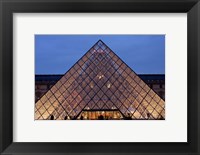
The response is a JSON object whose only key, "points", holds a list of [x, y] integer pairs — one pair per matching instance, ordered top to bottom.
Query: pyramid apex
{"points": [[100, 42], [100, 46]]}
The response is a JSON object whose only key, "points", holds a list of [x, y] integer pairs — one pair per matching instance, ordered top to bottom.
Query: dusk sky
{"points": [[55, 54]]}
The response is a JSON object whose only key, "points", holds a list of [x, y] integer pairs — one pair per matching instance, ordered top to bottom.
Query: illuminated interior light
{"points": [[100, 76], [109, 85], [91, 86]]}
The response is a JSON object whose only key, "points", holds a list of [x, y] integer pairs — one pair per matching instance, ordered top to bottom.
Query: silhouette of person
{"points": [[148, 115], [129, 116], [52, 117], [81, 117], [101, 117]]}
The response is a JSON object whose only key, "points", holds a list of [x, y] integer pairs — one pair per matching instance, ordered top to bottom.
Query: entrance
{"points": [[100, 115]]}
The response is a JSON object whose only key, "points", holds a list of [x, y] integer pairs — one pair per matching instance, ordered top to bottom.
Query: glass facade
{"points": [[100, 86]]}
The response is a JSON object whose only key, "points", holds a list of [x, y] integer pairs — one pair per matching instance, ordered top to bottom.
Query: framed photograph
{"points": [[106, 77]]}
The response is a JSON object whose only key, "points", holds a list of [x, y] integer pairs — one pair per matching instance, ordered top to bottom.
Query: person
{"points": [[148, 115], [129, 116], [52, 117], [81, 117], [101, 117]]}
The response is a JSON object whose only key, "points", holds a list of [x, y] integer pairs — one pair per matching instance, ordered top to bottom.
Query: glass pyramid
{"points": [[100, 82]]}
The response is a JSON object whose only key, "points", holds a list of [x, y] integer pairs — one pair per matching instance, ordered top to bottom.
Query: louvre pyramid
{"points": [[99, 81]]}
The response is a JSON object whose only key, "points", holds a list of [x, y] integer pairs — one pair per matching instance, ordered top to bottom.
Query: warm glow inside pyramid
{"points": [[100, 86]]}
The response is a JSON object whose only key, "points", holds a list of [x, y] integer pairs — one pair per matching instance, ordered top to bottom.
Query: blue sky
{"points": [[55, 54]]}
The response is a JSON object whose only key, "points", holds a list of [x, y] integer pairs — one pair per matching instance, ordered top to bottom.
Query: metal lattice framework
{"points": [[100, 80]]}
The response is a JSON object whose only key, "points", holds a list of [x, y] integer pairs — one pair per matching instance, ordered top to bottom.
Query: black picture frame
{"points": [[8, 7]]}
